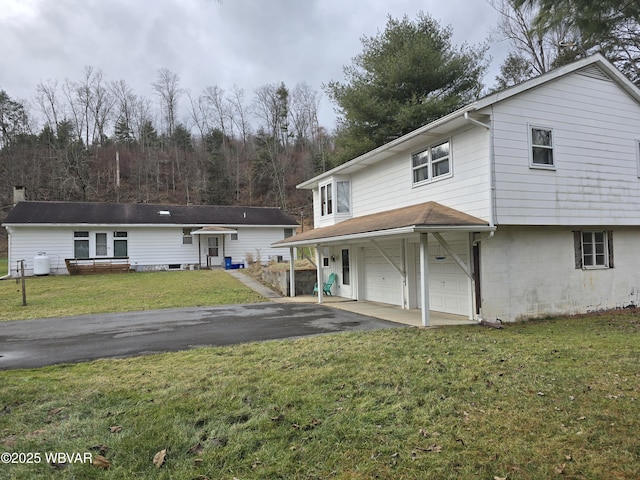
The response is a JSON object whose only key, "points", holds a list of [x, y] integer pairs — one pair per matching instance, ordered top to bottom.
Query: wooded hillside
{"points": [[94, 140]]}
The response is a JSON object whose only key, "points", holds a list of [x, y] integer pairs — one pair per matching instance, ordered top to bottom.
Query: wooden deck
{"points": [[92, 266]]}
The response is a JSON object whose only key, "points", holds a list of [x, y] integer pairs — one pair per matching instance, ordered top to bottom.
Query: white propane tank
{"points": [[41, 264]]}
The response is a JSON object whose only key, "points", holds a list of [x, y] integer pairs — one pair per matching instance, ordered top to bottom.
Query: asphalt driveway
{"points": [[42, 342]]}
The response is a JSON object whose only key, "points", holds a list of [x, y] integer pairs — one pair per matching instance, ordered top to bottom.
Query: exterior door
{"points": [[101, 244], [214, 251], [346, 279]]}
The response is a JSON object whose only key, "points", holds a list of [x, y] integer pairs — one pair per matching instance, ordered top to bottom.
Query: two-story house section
{"points": [[523, 204]]}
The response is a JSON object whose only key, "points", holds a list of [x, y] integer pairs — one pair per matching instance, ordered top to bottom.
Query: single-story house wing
{"points": [[148, 236]]}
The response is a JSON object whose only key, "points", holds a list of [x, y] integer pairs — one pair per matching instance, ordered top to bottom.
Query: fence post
{"points": [[24, 290]]}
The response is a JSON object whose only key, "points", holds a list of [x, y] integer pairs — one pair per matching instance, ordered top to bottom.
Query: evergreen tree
{"points": [[405, 77]]}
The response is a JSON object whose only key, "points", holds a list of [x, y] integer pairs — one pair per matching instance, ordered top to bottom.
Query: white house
{"points": [[512, 207], [146, 236]]}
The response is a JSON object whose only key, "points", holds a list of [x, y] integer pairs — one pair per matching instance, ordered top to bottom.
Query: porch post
{"points": [[292, 272], [319, 272], [424, 278]]}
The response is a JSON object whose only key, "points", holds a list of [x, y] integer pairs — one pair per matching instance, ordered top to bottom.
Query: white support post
{"points": [[292, 272], [319, 272], [424, 278]]}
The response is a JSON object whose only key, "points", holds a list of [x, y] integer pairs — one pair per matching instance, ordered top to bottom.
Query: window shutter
{"points": [[610, 245], [577, 248]]}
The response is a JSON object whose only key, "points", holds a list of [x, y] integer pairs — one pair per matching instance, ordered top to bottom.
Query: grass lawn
{"points": [[57, 296], [547, 399]]}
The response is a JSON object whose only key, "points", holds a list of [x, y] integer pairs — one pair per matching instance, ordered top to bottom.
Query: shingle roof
{"points": [[30, 212], [429, 214]]}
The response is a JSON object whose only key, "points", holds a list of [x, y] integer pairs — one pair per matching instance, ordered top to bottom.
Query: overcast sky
{"points": [[248, 43]]}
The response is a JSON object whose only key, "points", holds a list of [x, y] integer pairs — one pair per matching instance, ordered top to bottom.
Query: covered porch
{"points": [[211, 245], [397, 258]]}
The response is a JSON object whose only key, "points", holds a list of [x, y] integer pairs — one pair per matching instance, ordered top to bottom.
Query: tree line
{"points": [[98, 140]]}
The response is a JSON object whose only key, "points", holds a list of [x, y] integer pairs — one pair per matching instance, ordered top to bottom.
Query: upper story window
{"points": [[541, 147], [432, 163], [341, 191], [343, 196], [326, 199]]}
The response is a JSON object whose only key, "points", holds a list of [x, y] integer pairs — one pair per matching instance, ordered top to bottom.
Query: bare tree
{"points": [[539, 46], [167, 87], [49, 104]]}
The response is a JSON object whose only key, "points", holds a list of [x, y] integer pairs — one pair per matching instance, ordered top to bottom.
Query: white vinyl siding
{"points": [[595, 142], [388, 184], [148, 247]]}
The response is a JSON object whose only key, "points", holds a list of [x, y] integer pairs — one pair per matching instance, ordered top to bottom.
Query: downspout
{"points": [[492, 187], [8, 275]]}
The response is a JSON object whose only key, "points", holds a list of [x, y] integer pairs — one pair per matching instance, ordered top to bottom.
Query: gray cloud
{"points": [[247, 43]]}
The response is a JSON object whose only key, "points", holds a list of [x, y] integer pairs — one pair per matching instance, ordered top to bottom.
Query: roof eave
{"points": [[384, 233]]}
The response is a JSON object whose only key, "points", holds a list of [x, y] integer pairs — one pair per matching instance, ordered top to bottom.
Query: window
{"points": [[541, 147], [432, 163], [326, 195], [343, 196], [288, 232], [234, 236], [187, 238], [81, 244], [120, 247], [593, 249], [345, 267]]}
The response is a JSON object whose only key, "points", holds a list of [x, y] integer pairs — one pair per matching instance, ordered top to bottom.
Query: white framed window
{"points": [[541, 147], [432, 163], [340, 190], [343, 196], [326, 199], [234, 236], [187, 238], [81, 244], [120, 244], [593, 249]]}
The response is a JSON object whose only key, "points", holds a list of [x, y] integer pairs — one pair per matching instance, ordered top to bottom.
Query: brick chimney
{"points": [[19, 194]]}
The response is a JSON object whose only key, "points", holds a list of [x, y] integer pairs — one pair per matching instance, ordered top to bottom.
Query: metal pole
{"points": [[24, 290]]}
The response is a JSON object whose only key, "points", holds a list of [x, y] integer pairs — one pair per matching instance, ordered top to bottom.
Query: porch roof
{"points": [[421, 218], [212, 230]]}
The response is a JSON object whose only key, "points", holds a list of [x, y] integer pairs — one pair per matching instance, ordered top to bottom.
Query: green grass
{"points": [[75, 295], [546, 399]]}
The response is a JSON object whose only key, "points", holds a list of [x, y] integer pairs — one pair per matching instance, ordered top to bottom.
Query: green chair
{"points": [[326, 288]]}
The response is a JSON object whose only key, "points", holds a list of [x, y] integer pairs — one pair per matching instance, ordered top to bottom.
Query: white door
{"points": [[101, 245], [214, 250], [345, 276]]}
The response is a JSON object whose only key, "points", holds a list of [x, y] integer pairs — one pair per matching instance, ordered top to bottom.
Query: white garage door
{"points": [[382, 283], [449, 286]]}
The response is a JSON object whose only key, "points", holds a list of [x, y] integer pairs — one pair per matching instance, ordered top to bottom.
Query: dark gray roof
{"points": [[143, 213]]}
